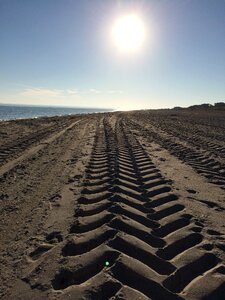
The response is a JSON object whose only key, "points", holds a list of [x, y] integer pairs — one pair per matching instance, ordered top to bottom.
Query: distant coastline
{"points": [[204, 106]]}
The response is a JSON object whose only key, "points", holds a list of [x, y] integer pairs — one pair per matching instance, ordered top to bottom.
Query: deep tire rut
{"points": [[201, 160], [131, 234]]}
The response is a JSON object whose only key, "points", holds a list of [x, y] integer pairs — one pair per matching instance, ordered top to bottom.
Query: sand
{"points": [[126, 205]]}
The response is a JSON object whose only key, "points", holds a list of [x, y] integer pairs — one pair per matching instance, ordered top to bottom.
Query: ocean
{"points": [[12, 112]]}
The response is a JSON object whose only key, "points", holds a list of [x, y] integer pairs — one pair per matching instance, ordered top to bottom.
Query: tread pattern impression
{"points": [[129, 216]]}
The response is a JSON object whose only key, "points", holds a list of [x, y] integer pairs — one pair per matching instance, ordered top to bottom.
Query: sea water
{"points": [[12, 112]]}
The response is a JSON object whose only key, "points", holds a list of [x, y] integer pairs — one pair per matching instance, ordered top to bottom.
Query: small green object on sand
{"points": [[107, 263]]}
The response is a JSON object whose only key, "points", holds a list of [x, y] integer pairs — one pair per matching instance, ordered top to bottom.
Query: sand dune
{"points": [[113, 206]]}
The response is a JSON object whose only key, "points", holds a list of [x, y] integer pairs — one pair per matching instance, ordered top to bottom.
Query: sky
{"points": [[61, 52]]}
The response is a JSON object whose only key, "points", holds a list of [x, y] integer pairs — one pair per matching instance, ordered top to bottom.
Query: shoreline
{"points": [[38, 111]]}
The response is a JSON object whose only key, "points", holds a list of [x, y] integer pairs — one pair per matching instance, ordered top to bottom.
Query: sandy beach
{"points": [[123, 205]]}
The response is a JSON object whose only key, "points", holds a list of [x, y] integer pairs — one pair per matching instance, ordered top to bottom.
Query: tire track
{"points": [[8, 151], [202, 161], [7, 167], [131, 237]]}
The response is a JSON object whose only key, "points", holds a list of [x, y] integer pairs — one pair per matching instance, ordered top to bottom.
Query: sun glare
{"points": [[128, 33]]}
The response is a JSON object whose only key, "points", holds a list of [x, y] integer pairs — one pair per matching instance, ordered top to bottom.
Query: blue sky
{"points": [[59, 52]]}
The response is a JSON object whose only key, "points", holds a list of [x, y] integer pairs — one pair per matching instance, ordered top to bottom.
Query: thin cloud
{"points": [[72, 91], [94, 91], [42, 92], [115, 92], [51, 93]]}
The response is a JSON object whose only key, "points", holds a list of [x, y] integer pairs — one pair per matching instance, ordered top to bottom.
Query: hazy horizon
{"points": [[61, 53]]}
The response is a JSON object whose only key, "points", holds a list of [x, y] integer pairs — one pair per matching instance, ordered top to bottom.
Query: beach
{"points": [[118, 205]]}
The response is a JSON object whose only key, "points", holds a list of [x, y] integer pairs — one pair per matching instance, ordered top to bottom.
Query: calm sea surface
{"points": [[11, 112]]}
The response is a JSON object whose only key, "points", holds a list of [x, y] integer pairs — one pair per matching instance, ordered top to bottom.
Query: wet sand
{"points": [[113, 206]]}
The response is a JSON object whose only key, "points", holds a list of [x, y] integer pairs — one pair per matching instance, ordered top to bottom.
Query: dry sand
{"points": [[113, 206]]}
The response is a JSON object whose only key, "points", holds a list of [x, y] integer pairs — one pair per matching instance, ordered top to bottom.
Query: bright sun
{"points": [[128, 33]]}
